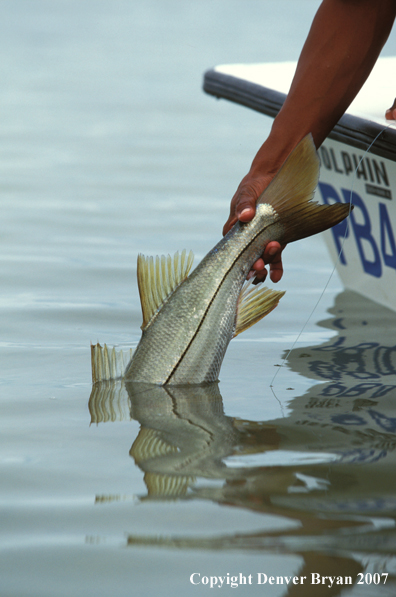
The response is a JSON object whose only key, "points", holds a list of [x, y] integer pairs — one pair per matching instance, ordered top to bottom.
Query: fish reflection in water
{"points": [[328, 467]]}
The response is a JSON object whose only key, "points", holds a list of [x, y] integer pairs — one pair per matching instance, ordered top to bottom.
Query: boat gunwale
{"points": [[352, 130]]}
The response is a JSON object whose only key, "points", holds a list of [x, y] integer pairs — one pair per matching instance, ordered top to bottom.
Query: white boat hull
{"points": [[358, 165], [364, 248]]}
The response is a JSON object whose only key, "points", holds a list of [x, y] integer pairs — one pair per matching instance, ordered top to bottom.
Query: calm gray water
{"points": [[108, 147]]}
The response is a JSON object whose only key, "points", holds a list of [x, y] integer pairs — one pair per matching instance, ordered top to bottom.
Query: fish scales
{"points": [[200, 318], [188, 322], [204, 356]]}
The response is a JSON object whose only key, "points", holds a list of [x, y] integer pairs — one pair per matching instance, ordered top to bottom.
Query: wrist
{"points": [[274, 152]]}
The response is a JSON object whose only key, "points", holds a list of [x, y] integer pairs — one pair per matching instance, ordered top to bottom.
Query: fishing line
{"points": [[338, 256]]}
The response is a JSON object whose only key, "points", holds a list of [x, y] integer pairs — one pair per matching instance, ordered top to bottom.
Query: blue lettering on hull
{"points": [[374, 254]]}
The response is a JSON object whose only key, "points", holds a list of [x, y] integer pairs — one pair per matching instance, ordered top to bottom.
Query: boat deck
{"points": [[263, 87]]}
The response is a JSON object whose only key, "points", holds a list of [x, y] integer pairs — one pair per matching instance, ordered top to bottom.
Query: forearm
{"points": [[344, 42], [342, 47]]}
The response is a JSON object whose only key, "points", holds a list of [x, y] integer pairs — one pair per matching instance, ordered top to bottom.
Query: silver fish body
{"points": [[188, 321], [187, 339]]}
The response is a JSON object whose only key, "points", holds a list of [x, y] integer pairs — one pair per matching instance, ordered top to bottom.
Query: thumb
{"points": [[245, 205], [243, 208]]}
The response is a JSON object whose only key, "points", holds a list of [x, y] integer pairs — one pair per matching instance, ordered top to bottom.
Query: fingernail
{"points": [[272, 251]]}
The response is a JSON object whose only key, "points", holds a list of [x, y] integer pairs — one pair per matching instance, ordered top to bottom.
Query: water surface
{"points": [[108, 147]]}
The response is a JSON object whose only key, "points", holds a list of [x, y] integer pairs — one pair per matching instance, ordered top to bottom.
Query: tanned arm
{"points": [[343, 44]]}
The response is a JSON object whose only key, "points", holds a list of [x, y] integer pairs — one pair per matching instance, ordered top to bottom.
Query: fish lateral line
{"points": [[203, 309], [258, 314]]}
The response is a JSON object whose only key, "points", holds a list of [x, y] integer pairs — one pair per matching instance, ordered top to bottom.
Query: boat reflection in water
{"points": [[328, 467]]}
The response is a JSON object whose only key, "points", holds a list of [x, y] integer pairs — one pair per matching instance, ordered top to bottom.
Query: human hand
{"points": [[390, 114], [243, 208]]}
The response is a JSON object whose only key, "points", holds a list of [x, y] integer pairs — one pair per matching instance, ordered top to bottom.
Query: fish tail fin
{"points": [[291, 192], [254, 303], [106, 364]]}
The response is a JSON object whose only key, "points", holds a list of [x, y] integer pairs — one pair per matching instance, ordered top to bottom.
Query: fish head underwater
{"points": [[190, 318]]}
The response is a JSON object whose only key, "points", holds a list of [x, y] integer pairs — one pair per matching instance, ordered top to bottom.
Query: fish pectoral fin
{"points": [[157, 279], [254, 303], [106, 364]]}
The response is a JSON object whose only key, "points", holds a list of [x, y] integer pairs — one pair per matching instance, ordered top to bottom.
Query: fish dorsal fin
{"points": [[291, 192], [157, 279], [254, 303], [108, 364], [150, 444], [169, 486]]}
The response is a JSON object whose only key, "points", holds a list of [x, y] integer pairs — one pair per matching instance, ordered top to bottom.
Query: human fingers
{"points": [[390, 114], [243, 203], [243, 208], [273, 257]]}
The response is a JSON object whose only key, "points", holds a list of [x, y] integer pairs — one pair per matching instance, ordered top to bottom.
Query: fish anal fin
{"points": [[291, 194], [157, 279], [254, 303]]}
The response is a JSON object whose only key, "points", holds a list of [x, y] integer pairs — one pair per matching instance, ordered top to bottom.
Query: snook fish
{"points": [[189, 320]]}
